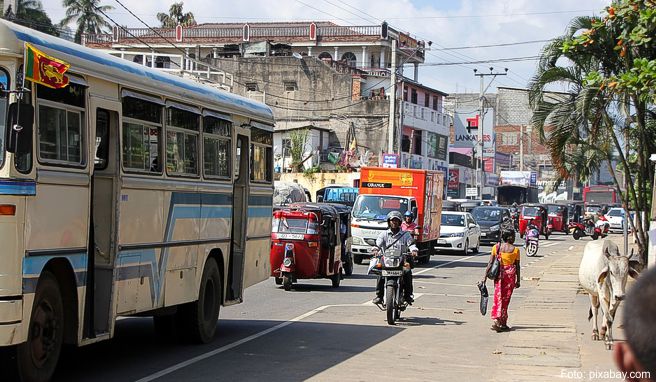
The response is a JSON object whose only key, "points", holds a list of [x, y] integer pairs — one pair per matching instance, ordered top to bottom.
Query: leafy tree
{"points": [[30, 13], [87, 15], [176, 16], [608, 64], [298, 141]]}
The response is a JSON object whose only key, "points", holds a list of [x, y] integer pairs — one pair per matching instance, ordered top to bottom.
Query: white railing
{"points": [[179, 65], [425, 114]]}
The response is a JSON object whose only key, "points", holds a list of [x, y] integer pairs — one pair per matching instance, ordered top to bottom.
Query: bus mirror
{"points": [[20, 120], [319, 198]]}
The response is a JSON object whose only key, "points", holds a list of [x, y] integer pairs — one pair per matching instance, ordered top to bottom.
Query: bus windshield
{"points": [[344, 195], [377, 207]]}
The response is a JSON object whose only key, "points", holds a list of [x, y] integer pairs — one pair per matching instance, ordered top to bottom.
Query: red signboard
{"points": [[488, 164], [454, 179]]}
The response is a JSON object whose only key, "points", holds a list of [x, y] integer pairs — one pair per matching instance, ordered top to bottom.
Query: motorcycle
{"points": [[589, 228], [532, 240], [390, 265]]}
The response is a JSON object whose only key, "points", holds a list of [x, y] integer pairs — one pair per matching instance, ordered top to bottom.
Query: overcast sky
{"points": [[448, 23]]}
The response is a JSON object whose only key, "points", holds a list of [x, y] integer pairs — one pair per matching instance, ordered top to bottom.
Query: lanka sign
{"points": [[43, 69]]}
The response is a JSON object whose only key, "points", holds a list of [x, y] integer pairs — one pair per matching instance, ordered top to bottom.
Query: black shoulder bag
{"points": [[493, 273]]}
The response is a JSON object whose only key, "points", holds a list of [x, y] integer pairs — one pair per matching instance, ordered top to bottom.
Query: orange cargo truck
{"points": [[383, 190]]}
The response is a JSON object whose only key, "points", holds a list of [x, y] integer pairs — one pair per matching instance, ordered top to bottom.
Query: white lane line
{"points": [[550, 245], [445, 264], [438, 283], [242, 341]]}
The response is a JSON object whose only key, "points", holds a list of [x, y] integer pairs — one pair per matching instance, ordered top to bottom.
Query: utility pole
{"points": [[392, 107], [521, 147], [479, 164]]}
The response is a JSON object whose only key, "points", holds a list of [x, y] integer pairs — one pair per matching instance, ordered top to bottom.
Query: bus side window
{"points": [[4, 85], [142, 131], [261, 155]]}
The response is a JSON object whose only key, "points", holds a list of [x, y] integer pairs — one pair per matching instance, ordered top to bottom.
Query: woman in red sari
{"points": [[508, 280]]}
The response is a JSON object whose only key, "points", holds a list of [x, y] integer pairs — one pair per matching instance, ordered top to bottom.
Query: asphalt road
{"points": [[317, 332]]}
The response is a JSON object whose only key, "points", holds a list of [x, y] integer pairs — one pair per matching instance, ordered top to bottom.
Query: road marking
{"points": [[550, 245], [445, 264], [437, 283], [242, 341]]}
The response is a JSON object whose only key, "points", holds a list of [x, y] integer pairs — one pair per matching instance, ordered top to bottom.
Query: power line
{"points": [[494, 45]]}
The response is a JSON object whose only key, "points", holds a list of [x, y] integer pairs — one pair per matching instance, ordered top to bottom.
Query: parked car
{"points": [[489, 219], [459, 232]]}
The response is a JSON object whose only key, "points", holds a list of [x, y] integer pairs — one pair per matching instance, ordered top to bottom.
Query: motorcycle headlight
{"points": [[495, 227], [458, 234], [287, 262], [391, 262]]}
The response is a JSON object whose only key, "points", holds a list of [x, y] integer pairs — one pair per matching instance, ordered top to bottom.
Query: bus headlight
{"points": [[357, 240]]}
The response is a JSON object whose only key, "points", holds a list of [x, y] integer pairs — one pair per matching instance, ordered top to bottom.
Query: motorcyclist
{"points": [[408, 222], [394, 237]]}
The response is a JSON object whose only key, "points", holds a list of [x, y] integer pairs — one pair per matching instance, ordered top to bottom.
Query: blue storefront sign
{"points": [[390, 160]]}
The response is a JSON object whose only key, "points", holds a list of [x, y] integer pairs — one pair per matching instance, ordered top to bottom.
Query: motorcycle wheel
{"points": [[576, 234], [595, 236], [531, 250], [357, 259], [278, 280], [287, 282], [389, 304]]}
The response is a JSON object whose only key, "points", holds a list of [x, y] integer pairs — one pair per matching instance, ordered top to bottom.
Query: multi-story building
{"points": [[329, 79]]}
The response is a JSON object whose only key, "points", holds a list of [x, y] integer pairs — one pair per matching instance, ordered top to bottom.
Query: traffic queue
{"points": [[324, 239]]}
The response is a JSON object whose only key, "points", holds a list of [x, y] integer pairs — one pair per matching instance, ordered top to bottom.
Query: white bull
{"points": [[603, 273]]}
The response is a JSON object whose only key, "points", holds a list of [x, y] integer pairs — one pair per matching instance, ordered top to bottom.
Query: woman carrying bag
{"points": [[506, 278]]}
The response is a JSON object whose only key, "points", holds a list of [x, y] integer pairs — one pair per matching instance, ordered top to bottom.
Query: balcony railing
{"points": [[240, 33], [425, 114]]}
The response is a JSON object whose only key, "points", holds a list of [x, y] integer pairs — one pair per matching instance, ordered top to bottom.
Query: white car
{"points": [[616, 218], [459, 232]]}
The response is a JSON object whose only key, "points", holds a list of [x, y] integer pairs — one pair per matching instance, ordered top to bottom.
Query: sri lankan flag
{"points": [[43, 69]]}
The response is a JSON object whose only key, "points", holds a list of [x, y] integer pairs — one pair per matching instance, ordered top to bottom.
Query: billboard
{"points": [[390, 160], [454, 178], [518, 178]]}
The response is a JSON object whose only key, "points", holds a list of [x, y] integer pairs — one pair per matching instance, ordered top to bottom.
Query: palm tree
{"points": [[30, 13], [88, 15], [176, 17], [582, 127]]}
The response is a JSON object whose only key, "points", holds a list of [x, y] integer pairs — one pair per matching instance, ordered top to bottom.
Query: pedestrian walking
{"points": [[507, 280]]}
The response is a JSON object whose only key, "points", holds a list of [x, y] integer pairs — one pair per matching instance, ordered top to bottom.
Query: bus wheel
{"points": [[200, 316], [37, 357]]}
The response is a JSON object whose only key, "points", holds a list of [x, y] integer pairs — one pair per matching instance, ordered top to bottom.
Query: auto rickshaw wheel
{"points": [[348, 265], [336, 278], [278, 280], [287, 282]]}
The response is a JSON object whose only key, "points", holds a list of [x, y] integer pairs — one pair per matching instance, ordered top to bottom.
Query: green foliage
{"points": [[30, 13], [87, 15], [176, 16], [298, 139]]}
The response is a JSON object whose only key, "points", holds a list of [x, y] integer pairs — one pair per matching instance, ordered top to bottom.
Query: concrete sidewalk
{"points": [[551, 336]]}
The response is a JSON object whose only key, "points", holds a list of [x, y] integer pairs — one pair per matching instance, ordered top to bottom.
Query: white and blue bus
{"points": [[129, 191]]}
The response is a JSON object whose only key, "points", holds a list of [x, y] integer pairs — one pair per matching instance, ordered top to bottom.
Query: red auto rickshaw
{"points": [[536, 213], [558, 217], [305, 244]]}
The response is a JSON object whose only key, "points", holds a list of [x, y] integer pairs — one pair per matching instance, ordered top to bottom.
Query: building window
{"points": [[325, 56], [350, 59], [251, 86], [290, 86], [405, 93], [413, 96], [426, 100], [434, 103], [509, 139], [417, 143], [405, 144]]}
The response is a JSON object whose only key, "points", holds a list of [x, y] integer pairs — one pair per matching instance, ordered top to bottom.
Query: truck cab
{"points": [[369, 219]]}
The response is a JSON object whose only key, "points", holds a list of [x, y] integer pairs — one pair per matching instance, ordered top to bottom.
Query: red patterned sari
{"points": [[503, 290]]}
